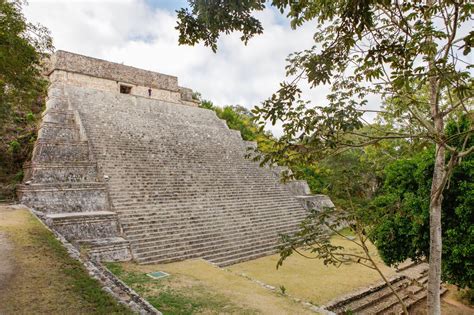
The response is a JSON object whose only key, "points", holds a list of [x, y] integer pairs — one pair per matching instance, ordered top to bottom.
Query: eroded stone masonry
{"points": [[127, 166]]}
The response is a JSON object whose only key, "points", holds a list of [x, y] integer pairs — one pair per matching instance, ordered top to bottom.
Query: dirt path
{"points": [[7, 263]]}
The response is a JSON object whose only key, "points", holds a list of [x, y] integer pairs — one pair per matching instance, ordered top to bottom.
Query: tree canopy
{"points": [[23, 48], [403, 205]]}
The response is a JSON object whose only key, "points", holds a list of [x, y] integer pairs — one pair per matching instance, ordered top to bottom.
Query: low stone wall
{"points": [[110, 283]]}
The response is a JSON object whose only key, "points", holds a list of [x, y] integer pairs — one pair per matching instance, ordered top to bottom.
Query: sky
{"points": [[142, 33]]}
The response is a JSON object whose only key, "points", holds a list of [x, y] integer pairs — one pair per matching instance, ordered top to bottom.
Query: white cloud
{"points": [[136, 34]]}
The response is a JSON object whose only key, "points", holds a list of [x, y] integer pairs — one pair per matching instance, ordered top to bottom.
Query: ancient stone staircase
{"points": [[114, 172], [180, 184], [63, 185], [410, 284]]}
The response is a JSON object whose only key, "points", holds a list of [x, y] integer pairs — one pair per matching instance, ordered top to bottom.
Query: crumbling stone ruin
{"points": [[127, 166]]}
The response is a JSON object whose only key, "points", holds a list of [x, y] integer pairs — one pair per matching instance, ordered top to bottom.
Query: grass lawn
{"points": [[45, 279], [310, 279], [197, 287]]}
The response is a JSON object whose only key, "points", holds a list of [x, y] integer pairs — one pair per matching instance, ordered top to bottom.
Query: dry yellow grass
{"points": [[305, 279], [310, 279], [251, 297]]}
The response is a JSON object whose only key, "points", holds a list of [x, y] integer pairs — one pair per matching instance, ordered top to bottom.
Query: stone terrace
{"points": [[179, 182]]}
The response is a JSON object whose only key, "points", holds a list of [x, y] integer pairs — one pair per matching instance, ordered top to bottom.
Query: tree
{"points": [[23, 48], [391, 49], [240, 118], [403, 203]]}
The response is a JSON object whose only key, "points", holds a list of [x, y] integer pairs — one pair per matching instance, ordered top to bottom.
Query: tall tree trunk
{"points": [[437, 186], [436, 199], [434, 273]]}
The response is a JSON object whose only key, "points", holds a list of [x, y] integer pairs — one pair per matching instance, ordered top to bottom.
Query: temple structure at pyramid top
{"points": [[79, 70]]}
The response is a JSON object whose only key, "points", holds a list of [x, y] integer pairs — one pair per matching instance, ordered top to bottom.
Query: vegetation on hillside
{"points": [[24, 46]]}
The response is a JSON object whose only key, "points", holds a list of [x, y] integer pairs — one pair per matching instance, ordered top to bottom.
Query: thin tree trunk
{"points": [[437, 186], [436, 199], [434, 273]]}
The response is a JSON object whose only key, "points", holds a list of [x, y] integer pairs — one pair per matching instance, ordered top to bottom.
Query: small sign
{"points": [[157, 274]]}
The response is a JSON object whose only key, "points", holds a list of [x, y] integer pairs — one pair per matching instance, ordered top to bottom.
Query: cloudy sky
{"points": [[141, 33]]}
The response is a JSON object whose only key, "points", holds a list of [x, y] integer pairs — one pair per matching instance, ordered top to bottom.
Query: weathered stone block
{"points": [[59, 117], [58, 132], [60, 151], [72, 172], [298, 187], [64, 197], [315, 201], [85, 225], [109, 249]]}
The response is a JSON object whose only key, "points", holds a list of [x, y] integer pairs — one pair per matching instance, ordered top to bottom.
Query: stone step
{"points": [[58, 116], [58, 132], [60, 151], [81, 171], [190, 188], [196, 189], [60, 198], [178, 201], [197, 208], [142, 211], [199, 213], [85, 225], [158, 228], [138, 230], [204, 235], [151, 241], [107, 249], [212, 250], [219, 253], [244, 257], [230, 258], [380, 299], [412, 300], [387, 303], [358, 306]]}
